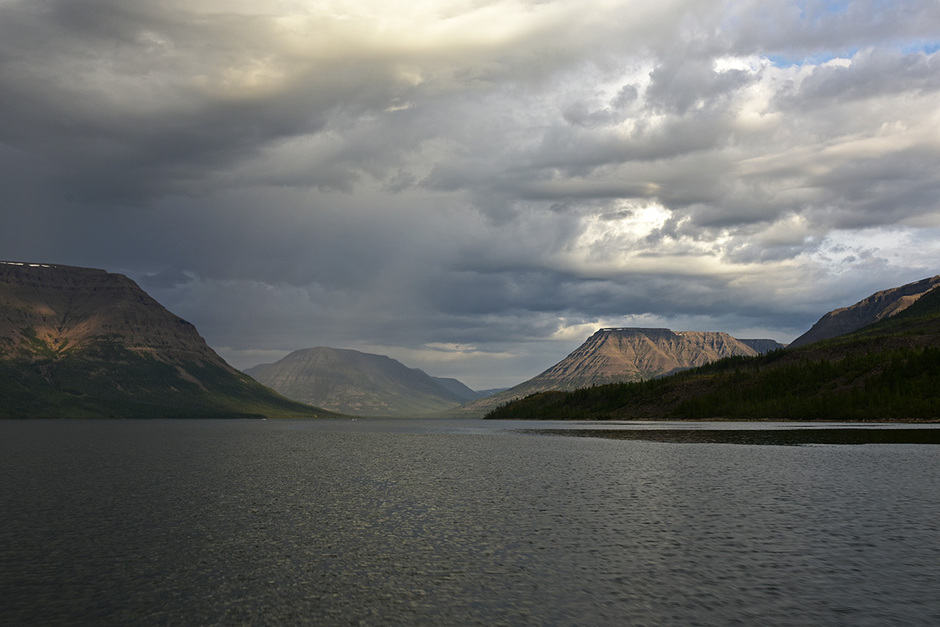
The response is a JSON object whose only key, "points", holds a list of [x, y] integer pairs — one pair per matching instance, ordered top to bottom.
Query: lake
{"points": [[465, 522]]}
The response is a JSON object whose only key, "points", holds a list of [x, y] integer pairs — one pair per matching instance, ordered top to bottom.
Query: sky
{"points": [[474, 187]]}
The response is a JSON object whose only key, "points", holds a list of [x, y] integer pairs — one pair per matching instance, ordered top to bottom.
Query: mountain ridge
{"points": [[880, 305], [364, 384]]}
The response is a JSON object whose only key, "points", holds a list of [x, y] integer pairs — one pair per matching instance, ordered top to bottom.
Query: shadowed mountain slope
{"points": [[878, 306], [82, 342], [364, 384], [458, 388]]}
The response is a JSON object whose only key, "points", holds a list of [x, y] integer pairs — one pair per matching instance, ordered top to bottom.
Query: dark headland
{"points": [[86, 343]]}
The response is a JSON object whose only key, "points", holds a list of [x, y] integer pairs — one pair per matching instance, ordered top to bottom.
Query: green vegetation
{"points": [[888, 371], [108, 381]]}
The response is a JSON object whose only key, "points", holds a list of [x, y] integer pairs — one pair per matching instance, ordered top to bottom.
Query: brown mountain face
{"points": [[875, 308], [56, 311], [82, 342], [621, 355]]}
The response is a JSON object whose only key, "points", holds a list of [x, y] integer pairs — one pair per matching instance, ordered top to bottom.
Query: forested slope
{"points": [[888, 371]]}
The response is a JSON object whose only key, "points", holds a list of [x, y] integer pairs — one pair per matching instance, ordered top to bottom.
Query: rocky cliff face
{"points": [[875, 308], [82, 342], [621, 355], [352, 382]]}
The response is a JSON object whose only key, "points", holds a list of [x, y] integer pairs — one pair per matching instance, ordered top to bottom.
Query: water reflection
{"points": [[772, 437]]}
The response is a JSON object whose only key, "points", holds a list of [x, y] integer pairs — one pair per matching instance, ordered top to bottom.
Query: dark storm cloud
{"points": [[128, 103]]}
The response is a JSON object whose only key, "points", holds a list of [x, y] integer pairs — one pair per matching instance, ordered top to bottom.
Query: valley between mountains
{"points": [[81, 342]]}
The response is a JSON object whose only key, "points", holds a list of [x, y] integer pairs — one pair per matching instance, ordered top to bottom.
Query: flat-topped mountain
{"points": [[876, 307], [57, 311], [83, 342], [631, 354], [613, 355], [885, 371], [352, 382]]}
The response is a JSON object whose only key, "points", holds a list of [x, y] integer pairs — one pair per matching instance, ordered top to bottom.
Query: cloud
{"points": [[497, 175]]}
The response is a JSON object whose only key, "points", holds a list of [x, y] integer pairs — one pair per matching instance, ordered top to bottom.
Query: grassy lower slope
{"points": [[887, 371], [110, 382]]}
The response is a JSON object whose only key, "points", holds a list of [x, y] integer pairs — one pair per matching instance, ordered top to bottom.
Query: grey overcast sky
{"points": [[474, 186]]}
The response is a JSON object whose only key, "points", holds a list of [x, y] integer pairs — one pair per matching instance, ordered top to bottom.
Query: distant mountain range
{"points": [[81, 342], [629, 354], [886, 368], [352, 382]]}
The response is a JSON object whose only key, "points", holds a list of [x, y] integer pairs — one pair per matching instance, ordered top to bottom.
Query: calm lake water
{"points": [[467, 522]]}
